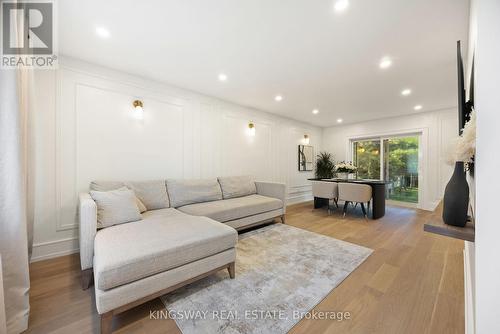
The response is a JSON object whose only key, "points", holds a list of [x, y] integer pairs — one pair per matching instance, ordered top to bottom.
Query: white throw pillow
{"points": [[115, 207]]}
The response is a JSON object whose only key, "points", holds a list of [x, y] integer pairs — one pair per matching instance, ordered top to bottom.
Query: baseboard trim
{"points": [[299, 199], [432, 205], [51, 249], [469, 300]]}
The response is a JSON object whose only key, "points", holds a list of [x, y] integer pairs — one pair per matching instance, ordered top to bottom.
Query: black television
{"points": [[464, 107]]}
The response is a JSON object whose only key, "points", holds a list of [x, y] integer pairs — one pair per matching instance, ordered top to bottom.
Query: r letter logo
{"points": [[28, 34]]}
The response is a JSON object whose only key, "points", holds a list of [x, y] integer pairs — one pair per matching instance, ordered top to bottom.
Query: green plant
{"points": [[325, 166]]}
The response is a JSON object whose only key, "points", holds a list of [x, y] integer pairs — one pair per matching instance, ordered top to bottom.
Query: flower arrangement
{"points": [[464, 147], [345, 167]]}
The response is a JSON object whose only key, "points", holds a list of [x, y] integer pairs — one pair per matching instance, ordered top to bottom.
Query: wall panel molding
{"points": [[203, 137], [67, 144], [52, 249]]}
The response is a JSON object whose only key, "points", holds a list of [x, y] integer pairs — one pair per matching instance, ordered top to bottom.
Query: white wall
{"points": [[438, 129], [84, 131], [487, 167], [469, 249]]}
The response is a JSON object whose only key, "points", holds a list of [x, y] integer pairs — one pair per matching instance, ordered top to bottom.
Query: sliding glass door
{"points": [[367, 159], [393, 159], [401, 168]]}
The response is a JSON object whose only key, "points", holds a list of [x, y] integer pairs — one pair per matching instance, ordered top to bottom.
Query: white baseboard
{"points": [[298, 199], [430, 206], [56, 248], [52, 249], [468, 294], [3, 319]]}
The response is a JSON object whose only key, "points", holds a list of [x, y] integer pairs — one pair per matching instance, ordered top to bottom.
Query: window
{"points": [[397, 158], [367, 159], [401, 168]]}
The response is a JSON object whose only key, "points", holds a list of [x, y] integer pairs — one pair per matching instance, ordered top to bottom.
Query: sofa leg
{"points": [[283, 219], [231, 268], [87, 278], [107, 323]]}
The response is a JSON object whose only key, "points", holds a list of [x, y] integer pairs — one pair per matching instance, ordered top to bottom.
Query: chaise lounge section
{"points": [[187, 231]]}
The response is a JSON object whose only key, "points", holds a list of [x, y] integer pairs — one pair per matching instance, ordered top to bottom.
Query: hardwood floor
{"points": [[412, 283]]}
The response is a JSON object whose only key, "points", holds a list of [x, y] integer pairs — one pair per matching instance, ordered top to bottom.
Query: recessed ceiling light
{"points": [[341, 5], [102, 32], [385, 63], [222, 77], [406, 92], [278, 98], [417, 107], [315, 111], [339, 120]]}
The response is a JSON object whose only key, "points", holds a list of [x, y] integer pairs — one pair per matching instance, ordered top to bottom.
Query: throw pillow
{"points": [[115, 207]]}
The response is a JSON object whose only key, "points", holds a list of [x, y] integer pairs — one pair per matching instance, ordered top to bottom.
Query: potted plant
{"points": [[325, 166], [344, 169]]}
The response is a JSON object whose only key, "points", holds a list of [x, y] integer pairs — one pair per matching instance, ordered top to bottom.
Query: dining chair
{"points": [[327, 190], [355, 193]]}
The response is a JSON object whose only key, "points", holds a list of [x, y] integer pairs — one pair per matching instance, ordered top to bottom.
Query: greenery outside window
{"points": [[393, 159]]}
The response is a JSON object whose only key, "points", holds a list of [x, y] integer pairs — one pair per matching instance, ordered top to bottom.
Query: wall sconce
{"points": [[138, 112], [251, 129], [306, 140]]}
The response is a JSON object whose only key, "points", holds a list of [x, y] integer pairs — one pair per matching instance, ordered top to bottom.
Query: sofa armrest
{"points": [[272, 189], [88, 229]]}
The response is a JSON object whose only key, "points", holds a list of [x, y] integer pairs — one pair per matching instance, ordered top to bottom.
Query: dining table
{"points": [[378, 194]]}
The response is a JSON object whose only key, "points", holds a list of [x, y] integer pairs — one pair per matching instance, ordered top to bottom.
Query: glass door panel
{"points": [[367, 158], [401, 168]]}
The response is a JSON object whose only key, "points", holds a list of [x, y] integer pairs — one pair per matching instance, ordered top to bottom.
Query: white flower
{"points": [[469, 132], [463, 148], [344, 167]]}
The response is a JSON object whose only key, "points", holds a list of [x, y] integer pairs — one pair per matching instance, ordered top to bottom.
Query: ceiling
{"points": [[303, 50]]}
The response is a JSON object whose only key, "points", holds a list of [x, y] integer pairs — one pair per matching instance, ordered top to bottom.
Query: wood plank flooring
{"points": [[412, 283]]}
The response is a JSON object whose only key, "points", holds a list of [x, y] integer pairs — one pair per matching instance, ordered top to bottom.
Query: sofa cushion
{"points": [[106, 185], [112, 185], [237, 186], [184, 192], [153, 194], [140, 205], [115, 207], [233, 208], [168, 212], [161, 241]]}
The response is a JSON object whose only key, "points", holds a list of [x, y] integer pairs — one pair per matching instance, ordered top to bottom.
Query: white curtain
{"points": [[13, 199], [15, 221]]}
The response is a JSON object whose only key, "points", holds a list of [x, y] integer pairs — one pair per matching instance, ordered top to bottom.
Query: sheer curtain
{"points": [[13, 198], [15, 230]]}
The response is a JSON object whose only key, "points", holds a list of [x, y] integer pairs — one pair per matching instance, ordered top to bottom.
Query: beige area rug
{"points": [[281, 273]]}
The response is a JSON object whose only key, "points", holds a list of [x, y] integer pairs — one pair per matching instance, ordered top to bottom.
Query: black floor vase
{"points": [[456, 198]]}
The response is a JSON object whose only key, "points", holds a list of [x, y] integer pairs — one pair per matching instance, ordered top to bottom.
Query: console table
{"points": [[378, 194], [437, 226]]}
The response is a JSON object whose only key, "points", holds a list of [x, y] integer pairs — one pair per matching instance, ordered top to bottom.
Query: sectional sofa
{"points": [[140, 240]]}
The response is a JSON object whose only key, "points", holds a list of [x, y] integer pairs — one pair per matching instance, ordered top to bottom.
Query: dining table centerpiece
{"points": [[345, 170]]}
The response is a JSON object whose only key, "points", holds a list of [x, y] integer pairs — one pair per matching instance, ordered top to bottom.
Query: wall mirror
{"points": [[306, 158]]}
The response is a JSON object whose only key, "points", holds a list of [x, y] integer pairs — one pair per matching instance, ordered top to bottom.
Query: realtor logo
{"points": [[28, 34]]}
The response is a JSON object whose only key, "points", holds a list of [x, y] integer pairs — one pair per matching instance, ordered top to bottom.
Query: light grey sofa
{"points": [[187, 233]]}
